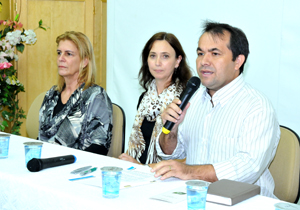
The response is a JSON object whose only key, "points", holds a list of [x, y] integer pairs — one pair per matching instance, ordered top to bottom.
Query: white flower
{"points": [[14, 37], [30, 37], [4, 44], [10, 52], [2, 55], [3, 60], [8, 81], [13, 81], [18, 83]]}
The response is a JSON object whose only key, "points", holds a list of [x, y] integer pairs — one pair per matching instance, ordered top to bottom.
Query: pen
{"points": [[131, 168], [78, 170], [88, 171], [85, 177]]}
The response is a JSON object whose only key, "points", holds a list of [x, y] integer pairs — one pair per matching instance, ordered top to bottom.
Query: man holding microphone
{"points": [[229, 130]]}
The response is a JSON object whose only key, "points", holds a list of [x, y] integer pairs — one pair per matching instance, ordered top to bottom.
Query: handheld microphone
{"points": [[191, 87], [36, 164]]}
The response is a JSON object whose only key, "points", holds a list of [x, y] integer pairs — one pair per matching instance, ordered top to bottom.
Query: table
{"points": [[51, 189]]}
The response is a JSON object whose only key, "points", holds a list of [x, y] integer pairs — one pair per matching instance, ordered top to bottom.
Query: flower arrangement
{"points": [[12, 39]]}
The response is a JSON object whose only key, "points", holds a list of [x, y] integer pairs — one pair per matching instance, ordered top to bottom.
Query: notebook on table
{"points": [[230, 192]]}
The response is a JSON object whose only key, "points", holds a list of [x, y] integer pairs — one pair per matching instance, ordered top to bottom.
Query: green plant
{"points": [[12, 38]]}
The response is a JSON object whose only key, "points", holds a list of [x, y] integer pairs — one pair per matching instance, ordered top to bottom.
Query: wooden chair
{"points": [[118, 132], [285, 166]]}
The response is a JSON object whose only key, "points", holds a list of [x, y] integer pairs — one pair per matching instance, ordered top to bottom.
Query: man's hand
{"points": [[173, 113], [169, 168], [173, 168]]}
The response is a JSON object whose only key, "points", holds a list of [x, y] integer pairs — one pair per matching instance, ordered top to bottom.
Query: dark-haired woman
{"points": [[163, 75]]}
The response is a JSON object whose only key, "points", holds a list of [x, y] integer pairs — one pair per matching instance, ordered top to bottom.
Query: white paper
{"points": [[129, 178], [173, 196]]}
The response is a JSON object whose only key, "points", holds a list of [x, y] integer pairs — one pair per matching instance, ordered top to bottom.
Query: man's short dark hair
{"points": [[238, 43]]}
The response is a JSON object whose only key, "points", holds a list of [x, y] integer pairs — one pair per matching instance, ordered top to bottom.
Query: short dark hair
{"points": [[238, 43], [183, 72]]}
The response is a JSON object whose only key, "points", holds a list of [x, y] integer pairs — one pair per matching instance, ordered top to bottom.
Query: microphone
{"points": [[191, 87], [36, 164]]}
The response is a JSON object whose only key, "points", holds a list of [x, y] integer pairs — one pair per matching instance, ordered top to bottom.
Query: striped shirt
{"points": [[238, 135]]}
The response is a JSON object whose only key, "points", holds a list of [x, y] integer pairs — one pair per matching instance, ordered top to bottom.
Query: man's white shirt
{"points": [[237, 133]]}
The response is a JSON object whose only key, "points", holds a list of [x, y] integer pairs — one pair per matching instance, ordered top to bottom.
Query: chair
{"points": [[32, 118], [118, 132], [285, 166]]}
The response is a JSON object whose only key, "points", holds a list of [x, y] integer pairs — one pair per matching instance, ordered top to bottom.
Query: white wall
{"points": [[272, 28]]}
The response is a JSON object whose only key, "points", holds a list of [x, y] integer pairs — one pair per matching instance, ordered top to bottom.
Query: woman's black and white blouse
{"points": [[84, 121]]}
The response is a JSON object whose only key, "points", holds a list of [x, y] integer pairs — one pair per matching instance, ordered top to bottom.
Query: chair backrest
{"points": [[32, 118], [118, 132], [285, 166]]}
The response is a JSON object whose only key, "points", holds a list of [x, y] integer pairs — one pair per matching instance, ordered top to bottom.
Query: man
{"points": [[228, 130]]}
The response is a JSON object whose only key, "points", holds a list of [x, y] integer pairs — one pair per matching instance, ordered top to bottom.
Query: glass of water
{"points": [[4, 145], [32, 150], [111, 177], [196, 194]]}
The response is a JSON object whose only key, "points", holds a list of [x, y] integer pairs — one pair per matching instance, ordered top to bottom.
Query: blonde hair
{"points": [[85, 48]]}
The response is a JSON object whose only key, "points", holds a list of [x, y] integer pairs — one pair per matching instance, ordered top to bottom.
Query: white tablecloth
{"points": [[51, 189]]}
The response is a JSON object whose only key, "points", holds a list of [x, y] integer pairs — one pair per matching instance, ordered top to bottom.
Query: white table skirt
{"points": [[51, 189]]}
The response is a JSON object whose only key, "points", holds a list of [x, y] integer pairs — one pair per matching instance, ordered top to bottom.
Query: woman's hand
{"points": [[127, 157]]}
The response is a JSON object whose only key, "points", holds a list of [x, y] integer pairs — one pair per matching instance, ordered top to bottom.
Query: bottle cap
{"points": [[32, 143], [111, 169]]}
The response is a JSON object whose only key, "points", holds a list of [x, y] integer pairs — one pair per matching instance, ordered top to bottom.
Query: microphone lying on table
{"points": [[191, 87], [36, 164]]}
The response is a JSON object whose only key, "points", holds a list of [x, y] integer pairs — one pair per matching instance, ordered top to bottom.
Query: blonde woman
{"points": [[76, 112]]}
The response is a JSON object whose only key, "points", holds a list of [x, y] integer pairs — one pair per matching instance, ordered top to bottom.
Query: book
{"points": [[230, 192]]}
